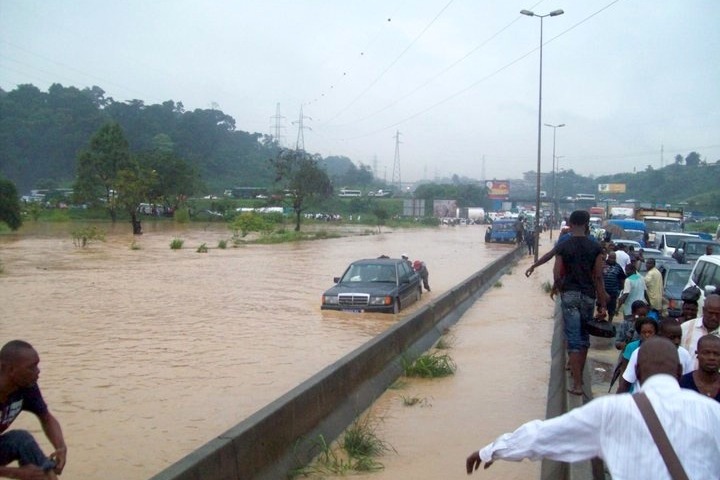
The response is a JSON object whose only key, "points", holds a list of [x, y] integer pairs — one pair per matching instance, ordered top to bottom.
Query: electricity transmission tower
{"points": [[277, 127], [300, 143], [396, 180]]}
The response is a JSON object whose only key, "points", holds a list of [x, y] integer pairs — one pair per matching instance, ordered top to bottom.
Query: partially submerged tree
{"points": [[98, 167], [301, 178], [135, 185], [9, 204]]}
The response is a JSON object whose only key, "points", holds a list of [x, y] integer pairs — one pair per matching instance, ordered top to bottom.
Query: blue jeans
{"points": [[577, 310], [21, 446]]}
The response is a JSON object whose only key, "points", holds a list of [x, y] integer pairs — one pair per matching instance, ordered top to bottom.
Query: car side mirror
{"points": [[680, 251], [336, 279], [710, 289]]}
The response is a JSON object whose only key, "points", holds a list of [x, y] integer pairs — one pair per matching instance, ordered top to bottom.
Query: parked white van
{"points": [[667, 242], [705, 275]]}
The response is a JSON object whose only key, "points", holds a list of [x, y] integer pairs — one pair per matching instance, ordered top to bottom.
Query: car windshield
{"points": [[503, 226], [662, 226], [636, 235], [673, 240], [693, 248], [368, 272], [677, 277]]}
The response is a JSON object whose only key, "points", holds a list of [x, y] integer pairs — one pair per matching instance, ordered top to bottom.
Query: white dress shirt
{"points": [[622, 258], [692, 330], [687, 362], [612, 428]]}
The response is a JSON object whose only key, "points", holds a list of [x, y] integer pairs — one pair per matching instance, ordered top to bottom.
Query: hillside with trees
{"points": [[43, 136]]}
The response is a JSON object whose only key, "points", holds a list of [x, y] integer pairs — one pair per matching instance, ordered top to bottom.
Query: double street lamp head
{"points": [[554, 13]]}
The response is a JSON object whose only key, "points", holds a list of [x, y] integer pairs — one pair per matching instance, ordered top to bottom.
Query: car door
{"points": [[406, 284]]}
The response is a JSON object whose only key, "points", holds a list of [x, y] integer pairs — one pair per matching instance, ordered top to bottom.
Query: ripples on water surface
{"points": [[147, 354]]}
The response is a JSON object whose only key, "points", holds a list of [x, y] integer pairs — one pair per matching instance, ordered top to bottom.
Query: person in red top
{"points": [[19, 391]]}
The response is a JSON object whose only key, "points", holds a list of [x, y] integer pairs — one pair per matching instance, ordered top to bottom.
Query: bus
{"points": [[344, 192]]}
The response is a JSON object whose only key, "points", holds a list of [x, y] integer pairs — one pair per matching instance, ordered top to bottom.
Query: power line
{"points": [[441, 72], [377, 79], [483, 79]]}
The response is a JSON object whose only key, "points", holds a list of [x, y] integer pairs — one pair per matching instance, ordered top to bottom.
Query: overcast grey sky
{"points": [[457, 78]]}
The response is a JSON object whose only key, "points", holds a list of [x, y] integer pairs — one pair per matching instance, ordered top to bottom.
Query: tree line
{"points": [[42, 135]]}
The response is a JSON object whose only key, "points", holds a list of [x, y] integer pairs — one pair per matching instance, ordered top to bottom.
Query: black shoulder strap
{"points": [[677, 472]]}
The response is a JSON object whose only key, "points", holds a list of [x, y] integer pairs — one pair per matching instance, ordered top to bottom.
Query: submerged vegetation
{"points": [[82, 237], [430, 365], [356, 451]]}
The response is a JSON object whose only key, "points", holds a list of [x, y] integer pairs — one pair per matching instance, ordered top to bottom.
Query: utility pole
{"points": [[278, 126], [300, 143], [662, 156], [396, 180]]}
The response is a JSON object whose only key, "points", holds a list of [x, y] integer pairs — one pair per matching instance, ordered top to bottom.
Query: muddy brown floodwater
{"points": [[148, 353]]}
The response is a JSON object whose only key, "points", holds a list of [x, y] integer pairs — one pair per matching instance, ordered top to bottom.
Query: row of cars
{"points": [[682, 260]]}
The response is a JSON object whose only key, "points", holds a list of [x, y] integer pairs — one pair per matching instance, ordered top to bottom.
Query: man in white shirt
{"points": [[622, 256], [705, 324], [612, 428]]}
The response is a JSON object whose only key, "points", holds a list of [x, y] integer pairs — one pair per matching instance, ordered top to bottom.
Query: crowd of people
{"points": [[670, 364]]}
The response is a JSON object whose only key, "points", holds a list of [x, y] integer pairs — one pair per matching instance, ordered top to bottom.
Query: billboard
{"points": [[611, 187], [498, 189], [414, 207], [444, 208]]}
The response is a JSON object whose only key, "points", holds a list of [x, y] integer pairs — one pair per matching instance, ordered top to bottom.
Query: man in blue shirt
{"points": [[19, 391]]}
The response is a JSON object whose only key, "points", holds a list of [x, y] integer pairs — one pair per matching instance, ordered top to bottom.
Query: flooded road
{"points": [[148, 353]]}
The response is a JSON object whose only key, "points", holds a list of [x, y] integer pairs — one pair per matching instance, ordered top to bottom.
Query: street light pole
{"points": [[554, 13], [554, 199]]}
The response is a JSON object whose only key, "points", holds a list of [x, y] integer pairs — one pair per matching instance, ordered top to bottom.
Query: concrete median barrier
{"points": [[283, 435]]}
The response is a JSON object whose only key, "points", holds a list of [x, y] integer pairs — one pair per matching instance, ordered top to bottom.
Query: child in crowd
{"points": [[670, 330], [626, 332]]}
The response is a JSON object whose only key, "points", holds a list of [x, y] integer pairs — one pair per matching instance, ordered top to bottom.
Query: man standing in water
{"points": [[578, 275], [19, 391], [612, 428]]}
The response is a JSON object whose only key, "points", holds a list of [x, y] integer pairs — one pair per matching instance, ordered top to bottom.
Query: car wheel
{"points": [[396, 306]]}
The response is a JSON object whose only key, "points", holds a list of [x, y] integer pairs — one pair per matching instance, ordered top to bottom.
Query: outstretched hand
{"points": [[529, 271], [473, 463]]}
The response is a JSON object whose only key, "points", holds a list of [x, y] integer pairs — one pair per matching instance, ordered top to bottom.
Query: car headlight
{"points": [[330, 300], [384, 300]]}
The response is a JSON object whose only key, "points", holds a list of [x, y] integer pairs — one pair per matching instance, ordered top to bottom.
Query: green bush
{"points": [[182, 214], [82, 237], [176, 243], [222, 244], [202, 248], [429, 366]]}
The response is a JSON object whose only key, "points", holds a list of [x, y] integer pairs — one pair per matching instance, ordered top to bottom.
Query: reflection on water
{"points": [[147, 354]]}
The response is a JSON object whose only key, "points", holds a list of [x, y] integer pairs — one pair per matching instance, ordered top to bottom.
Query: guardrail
{"points": [[282, 436]]}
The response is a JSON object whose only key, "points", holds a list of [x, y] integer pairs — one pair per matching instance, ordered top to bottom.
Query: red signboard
{"points": [[498, 189]]}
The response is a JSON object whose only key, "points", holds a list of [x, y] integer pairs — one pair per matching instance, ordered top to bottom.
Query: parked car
{"points": [[501, 230], [703, 235], [667, 242], [628, 243], [689, 250], [655, 254], [705, 275], [675, 277], [374, 285]]}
